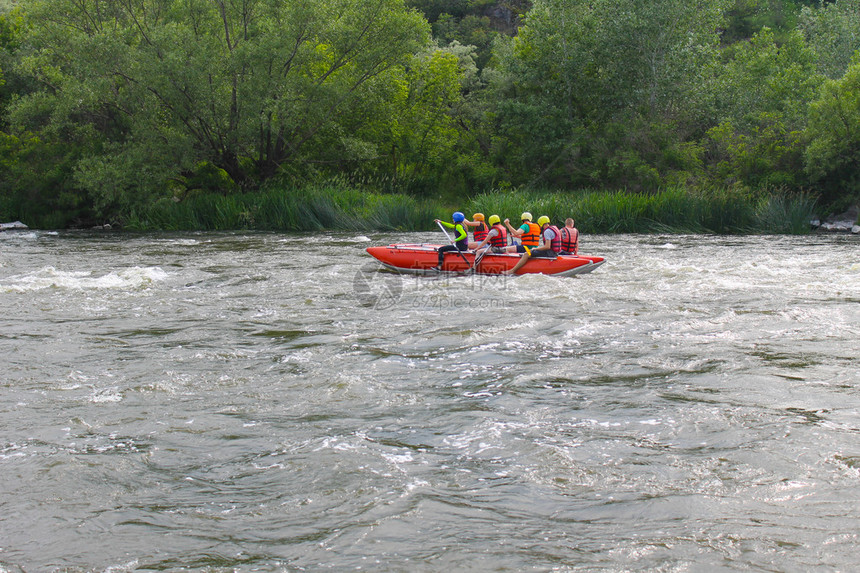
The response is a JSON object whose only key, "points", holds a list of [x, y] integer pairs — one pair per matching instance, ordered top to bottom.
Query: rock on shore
{"points": [[844, 222], [16, 226]]}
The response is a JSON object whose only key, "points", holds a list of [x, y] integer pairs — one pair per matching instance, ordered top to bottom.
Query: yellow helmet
{"points": [[526, 216], [478, 217], [494, 219], [543, 220]]}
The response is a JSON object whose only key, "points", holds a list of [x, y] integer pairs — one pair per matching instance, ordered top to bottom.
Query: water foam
{"points": [[50, 277]]}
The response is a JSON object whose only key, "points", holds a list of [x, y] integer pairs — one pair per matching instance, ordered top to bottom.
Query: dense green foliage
{"points": [[189, 113], [833, 153]]}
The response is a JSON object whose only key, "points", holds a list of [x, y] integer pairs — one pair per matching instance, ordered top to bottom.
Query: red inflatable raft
{"points": [[421, 258]]}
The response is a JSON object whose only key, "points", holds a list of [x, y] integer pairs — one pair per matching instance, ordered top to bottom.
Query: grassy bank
{"points": [[337, 207], [310, 209], [671, 211]]}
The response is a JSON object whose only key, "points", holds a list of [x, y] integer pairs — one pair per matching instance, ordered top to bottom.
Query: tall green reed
{"points": [[339, 206], [314, 208], [673, 210]]}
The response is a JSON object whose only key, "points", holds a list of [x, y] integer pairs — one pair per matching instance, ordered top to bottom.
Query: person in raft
{"points": [[480, 233], [528, 233], [497, 237], [461, 238], [569, 238], [548, 250]]}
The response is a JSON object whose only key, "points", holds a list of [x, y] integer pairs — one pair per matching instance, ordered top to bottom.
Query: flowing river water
{"points": [[268, 402]]}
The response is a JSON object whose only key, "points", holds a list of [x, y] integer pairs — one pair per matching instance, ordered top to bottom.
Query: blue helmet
{"points": [[459, 217]]}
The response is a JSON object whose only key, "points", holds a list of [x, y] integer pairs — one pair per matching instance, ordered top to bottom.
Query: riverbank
{"points": [[337, 207], [670, 211], [849, 221]]}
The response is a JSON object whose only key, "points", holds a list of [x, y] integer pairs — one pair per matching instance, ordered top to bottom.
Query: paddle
{"points": [[453, 242], [479, 257]]}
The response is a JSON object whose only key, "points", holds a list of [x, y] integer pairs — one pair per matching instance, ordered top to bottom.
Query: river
{"points": [[268, 402]]}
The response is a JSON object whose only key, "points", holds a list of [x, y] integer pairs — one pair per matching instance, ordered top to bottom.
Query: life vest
{"points": [[460, 231], [481, 232], [531, 238], [501, 239], [570, 240], [555, 244]]}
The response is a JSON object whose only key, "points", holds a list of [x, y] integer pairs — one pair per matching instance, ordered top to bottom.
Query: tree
{"points": [[434, 9], [745, 18], [833, 30], [10, 35], [578, 67], [155, 89], [765, 91], [423, 133], [834, 135]]}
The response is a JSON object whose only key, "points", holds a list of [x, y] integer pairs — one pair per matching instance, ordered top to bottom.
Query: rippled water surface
{"points": [[264, 402]]}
